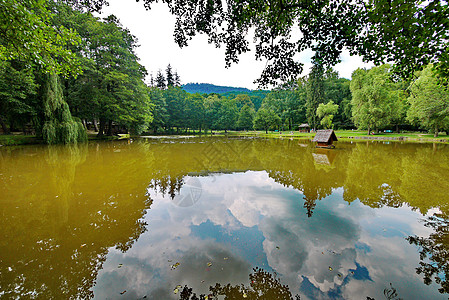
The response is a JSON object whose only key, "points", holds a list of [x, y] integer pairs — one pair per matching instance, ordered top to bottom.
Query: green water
{"points": [[157, 218]]}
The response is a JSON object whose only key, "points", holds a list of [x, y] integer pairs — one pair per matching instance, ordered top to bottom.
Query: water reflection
{"points": [[59, 219], [76, 221], [434, 252], [263, 285]]}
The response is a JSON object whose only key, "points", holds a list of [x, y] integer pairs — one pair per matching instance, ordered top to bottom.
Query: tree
{"points": [[22, 21], [406, 33], [169, 76], [176, 79], [160, 80], [17, 84], [112, 87], [337, 90], [315, 92], [175, 98], [376, 99], [242, 100], [429, 102], [212, 105], [194, 111], [326, 112], [160, 114], [228, 114], [246, 117], [266, 118], [58, 124]]}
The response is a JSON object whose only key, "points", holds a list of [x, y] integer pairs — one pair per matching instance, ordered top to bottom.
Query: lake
{"points": [[167, 218]]}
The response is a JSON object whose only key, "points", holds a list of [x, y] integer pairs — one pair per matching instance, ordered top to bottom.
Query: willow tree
{"points": [[326, 113], [55, 123]]}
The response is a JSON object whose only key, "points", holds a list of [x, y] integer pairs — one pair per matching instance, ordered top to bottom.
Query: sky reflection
{"points": [[244, 220]]}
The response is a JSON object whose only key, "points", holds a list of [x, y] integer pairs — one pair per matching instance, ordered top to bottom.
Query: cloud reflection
{"points": [[244, 220]]}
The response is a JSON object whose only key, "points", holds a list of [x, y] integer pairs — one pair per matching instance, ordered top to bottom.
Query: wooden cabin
{"points": [[304, 127], [325, 138]]}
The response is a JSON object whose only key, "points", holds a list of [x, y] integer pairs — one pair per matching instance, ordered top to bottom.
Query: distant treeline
{"points": [[207, 88]]}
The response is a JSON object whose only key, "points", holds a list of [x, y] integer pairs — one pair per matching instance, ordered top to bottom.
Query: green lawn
{"points": [[344, 134]]}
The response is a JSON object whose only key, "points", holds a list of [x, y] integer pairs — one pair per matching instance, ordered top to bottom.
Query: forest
{"points": [[89, 78]]}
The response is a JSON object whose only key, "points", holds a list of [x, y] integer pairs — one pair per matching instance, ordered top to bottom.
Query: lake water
{"points": [[168, 218]]}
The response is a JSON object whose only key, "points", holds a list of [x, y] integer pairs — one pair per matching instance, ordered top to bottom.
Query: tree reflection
{"points": [[59, 218], [434, 252], [263, 285]]}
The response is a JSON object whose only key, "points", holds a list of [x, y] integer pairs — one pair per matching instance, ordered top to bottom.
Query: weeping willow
{"points": [[57, 124]]}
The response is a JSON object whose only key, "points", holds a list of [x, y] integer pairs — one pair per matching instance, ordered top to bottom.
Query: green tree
{"points": [[22, 21], [169, 76], [176, 79], [160, 80], [17, 84], [112, 88], [337, 90], [315, 92], [175, 98], [242, 100], [376, 100], [429, 102], [212, 106], [194, 111], [326, 113], [160, 114], [228, 114], [246, 117], [265, 119], [58, 124]]}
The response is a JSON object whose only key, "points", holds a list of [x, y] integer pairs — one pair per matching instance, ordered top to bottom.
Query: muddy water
{"points": [[173, 217]]}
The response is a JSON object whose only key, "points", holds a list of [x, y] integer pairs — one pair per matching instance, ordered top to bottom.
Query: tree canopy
{"points": [[406, 33], [429, 102]]}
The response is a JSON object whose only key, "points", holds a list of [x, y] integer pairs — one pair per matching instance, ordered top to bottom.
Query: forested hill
{"points": [[207, 88]]}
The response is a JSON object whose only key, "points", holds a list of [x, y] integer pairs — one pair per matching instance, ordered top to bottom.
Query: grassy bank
{"points": [[351, 135], [13, 139], [20, 139], [10, 140]]}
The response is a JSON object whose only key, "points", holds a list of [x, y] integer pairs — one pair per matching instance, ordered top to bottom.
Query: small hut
{"points": [[304, 127], [325, 138]]}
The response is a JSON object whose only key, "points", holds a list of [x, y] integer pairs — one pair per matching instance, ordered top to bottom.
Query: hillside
{"points": [[206, 88]]}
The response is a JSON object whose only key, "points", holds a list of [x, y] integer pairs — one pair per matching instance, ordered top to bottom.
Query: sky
{"points": [[199, 62]]}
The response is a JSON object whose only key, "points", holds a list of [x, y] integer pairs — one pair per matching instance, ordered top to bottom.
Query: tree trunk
{"points": [[85, 123], [95, 125], [4, 127], [110, 128], [397, 128], [101, 130], [266, 130], [369, 130], [436, 131]]}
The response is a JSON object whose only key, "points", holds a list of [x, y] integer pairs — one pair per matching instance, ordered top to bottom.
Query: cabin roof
{"points": [[304, 125], [325, 136]]}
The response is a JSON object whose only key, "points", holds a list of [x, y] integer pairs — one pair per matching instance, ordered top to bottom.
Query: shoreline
{"points": [[17, 140]]}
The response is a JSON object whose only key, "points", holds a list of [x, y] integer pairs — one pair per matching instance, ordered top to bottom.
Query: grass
{"points": [[348, 134], [13, 139]]}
